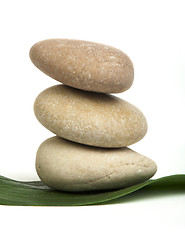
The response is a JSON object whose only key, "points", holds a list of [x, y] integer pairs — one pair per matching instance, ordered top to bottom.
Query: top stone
{"points": [[84, 65]]}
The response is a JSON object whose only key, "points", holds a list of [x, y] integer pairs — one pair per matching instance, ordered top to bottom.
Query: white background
{"points": [[152, 34]]}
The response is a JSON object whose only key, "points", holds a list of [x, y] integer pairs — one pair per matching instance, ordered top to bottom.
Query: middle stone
{"points": [[90, 118]]}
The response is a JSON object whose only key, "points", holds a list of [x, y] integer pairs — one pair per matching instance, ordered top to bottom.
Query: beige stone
{"points": [[84, 65], [96, 119], [70, 166]]}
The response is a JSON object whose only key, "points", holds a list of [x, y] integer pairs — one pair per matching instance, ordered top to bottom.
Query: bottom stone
{"points": [[69, 166]]}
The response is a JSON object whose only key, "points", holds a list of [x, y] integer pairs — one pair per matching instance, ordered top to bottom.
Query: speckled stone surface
{"points": [[84, 65], [96, 119], [70, 166]]}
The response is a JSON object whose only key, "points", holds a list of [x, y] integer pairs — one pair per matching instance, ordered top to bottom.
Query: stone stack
{"points": [[93, 127]]}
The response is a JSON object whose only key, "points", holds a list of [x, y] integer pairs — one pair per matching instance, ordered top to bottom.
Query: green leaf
{"points": [[37, 194]]}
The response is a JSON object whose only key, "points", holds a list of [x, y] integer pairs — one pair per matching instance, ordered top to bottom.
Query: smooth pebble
{"points": [[84, 65], [96, 119], [69, 166]]}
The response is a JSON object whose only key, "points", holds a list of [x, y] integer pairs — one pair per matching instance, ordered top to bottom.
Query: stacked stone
{"points": [[93, 127]]}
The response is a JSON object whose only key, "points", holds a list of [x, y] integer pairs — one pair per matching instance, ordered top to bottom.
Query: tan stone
{"points": [[84, 65], [96, 119], [70, 166]]}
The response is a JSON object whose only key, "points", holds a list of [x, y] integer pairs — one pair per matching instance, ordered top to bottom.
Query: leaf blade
{"points": [[35, 193]]}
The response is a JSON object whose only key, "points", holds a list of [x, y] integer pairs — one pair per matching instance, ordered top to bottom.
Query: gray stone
{"points": [[69, 166]]}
